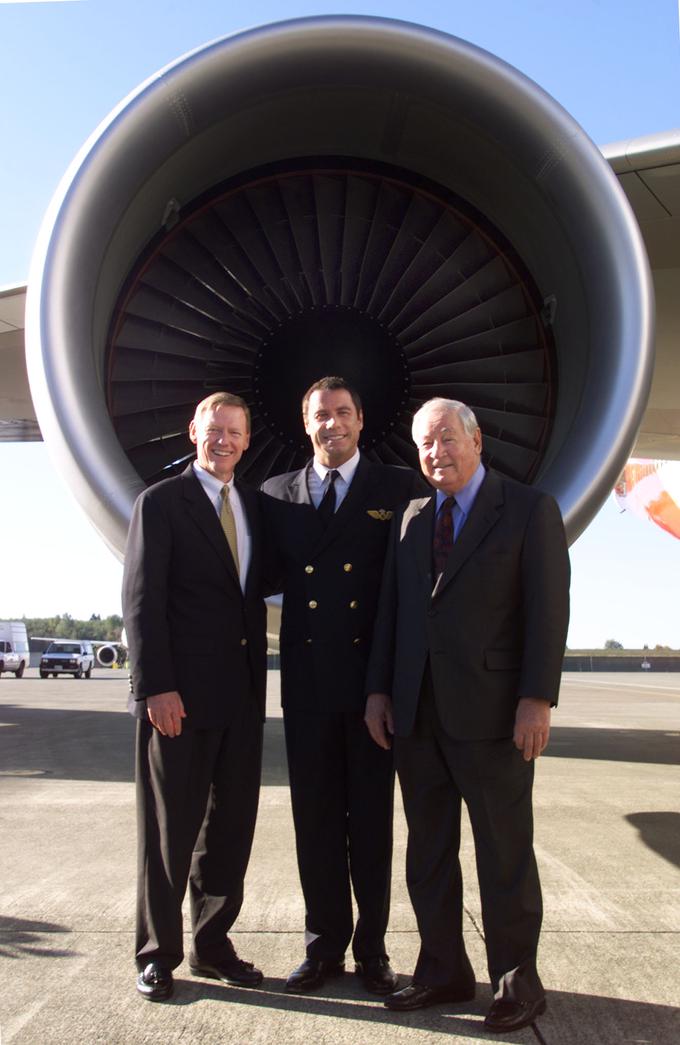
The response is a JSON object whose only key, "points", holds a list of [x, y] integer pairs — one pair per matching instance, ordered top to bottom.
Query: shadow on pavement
{"points": [[66, 744], [94, 745], [98, 745], [656, 746], [274, 764], [660, 832], [22, 939], [342, 999], [601, 1018]]}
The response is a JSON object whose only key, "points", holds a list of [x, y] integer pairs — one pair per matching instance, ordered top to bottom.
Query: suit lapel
{"points": [[297, 487], [354, 497], [250, 508], [484, 515], [206, 518], [416, 532]]}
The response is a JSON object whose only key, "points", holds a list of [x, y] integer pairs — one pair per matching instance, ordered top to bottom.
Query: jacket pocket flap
{"points": [[501, 660]]}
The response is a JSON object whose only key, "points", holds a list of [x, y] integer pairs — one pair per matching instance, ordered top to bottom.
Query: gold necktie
{"points": [[229, 525]]}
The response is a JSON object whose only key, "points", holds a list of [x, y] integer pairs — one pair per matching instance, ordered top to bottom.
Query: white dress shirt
{"points": [[317, 481], [213, 488]]}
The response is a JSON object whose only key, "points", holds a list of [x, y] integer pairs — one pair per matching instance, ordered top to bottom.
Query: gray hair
{"points": [[465, 415]]}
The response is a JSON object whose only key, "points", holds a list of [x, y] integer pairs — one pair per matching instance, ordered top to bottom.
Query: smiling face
{"points": [[334, 425], [220, 436], [448, 455]]}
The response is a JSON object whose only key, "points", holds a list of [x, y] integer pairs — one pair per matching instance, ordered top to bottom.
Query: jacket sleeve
{"points": [[272, 559], [145, 599], [545, 600], [380, 669]]}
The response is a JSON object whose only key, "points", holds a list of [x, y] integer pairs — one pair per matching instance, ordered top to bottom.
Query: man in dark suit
{"points": [[330, 523], [195, 622], [465, 666]]}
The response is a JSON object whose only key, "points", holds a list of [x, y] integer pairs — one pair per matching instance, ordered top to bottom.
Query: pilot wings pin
{"points": [[380, 513]]}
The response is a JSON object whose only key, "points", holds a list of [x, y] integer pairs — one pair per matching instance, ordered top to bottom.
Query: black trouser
{"points": [[491, 777], [342, 792], [197, 798]]}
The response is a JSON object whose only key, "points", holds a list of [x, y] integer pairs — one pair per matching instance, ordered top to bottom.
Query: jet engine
{"points": [[339, 195], [107, 655]]}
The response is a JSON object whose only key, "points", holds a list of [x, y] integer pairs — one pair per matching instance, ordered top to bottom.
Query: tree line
{"points": [[64, 626], [614, 644]]}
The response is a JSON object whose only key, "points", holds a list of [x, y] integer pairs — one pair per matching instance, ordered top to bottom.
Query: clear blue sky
{"points": [[614, 64]]}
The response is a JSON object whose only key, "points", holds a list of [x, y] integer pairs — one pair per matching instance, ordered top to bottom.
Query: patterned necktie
{"points": [[327, 506], [229, 525], [443, 536]]}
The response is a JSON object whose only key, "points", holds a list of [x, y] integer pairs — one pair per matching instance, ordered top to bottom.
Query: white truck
{"points": [[14, 655]]}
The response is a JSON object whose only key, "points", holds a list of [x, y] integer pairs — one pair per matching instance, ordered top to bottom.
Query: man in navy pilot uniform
{"points": [[330, 524]]}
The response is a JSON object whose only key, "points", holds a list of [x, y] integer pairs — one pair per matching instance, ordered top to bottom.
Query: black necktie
{"points": [[327, 506], [443, 535]]}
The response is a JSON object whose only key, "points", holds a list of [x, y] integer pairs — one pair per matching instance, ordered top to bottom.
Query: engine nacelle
{"points": [[346, 195], [107, 656]]}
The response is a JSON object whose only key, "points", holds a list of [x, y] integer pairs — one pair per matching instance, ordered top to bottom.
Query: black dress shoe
{"points": [[229, 969], [313, 973], [377, 975], [155, 982], [419, 996], [507, 1015]]}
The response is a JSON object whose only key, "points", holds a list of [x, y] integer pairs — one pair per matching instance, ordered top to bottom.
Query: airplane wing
{"points": [[648, 170], [18, 422], [62, 638]]}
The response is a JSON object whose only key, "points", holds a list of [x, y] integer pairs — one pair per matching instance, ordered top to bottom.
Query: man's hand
{"points": [[166, 711], [378, 718], [532, 726]]}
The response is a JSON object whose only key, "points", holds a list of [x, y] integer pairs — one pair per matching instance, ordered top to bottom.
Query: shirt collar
{"points": [[346, 470], [211, 482], [465, 497]]}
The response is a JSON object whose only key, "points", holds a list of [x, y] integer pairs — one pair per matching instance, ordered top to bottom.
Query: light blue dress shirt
{"points": [[465, 498]]}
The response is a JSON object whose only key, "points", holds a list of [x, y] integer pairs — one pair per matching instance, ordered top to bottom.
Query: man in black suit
{"points": [[330, 523], [195, 622], [465, 666]]}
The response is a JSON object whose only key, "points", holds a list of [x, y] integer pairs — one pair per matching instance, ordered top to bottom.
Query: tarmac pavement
{"points": [[607, 801]]}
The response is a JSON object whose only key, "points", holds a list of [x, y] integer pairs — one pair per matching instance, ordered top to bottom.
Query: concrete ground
{"points": [[607, 838]]}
